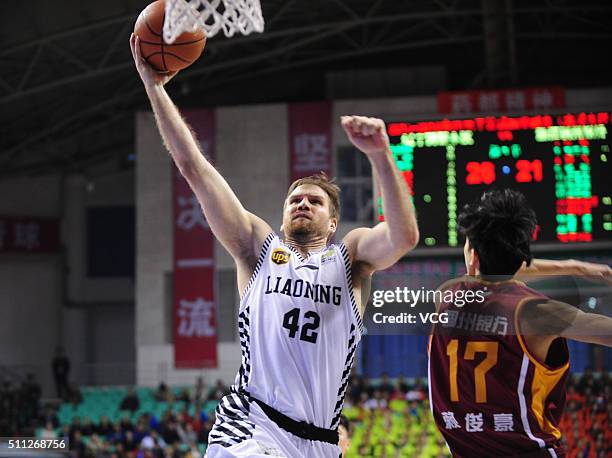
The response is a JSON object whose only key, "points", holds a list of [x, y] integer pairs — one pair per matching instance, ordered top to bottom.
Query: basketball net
{"points": [[231, 16]]}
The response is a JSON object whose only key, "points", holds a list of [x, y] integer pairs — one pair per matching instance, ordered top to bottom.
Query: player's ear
{"points": [[333, 225], [474, 262]]}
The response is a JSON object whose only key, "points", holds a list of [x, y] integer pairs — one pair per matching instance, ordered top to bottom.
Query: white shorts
{"points": [[243, 430]]}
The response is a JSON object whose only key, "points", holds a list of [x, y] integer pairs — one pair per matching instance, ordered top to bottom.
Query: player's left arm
{"points": [[383, 245], [544, 267]]}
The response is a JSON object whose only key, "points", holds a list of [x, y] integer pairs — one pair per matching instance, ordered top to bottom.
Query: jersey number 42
{"points": [[309, 328]]}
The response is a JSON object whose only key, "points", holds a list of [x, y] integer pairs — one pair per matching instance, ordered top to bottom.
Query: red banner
{"points": [[501, 100], [310, 138], [29, 235], [195, 306]]}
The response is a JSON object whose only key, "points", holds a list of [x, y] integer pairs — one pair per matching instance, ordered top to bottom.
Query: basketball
{"points": [[162, 56]]}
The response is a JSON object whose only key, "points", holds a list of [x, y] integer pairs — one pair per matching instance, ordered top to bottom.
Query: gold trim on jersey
{"points": [[545, 378]]}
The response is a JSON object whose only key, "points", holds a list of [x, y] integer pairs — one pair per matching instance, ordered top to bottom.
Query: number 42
{"points": [[308, 334]]}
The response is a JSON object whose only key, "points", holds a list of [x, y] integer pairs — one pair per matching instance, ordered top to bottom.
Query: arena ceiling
{"points": [[68, 89]]}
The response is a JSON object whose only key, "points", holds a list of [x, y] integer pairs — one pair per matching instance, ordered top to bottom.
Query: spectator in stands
{"points": [[61, 369], [586, 381], [385, 385], [401, 385], [356, 386], [367, 386], [218, 391], [163, 393], [416, 393], [198, 394], [74, 395], [184, 396], [130, 401], [377, 401], [48, 415], [183, 416], [199, 417], [126, 424], [75, 427], [87, 427], [104, 428], [205, 429], [140, 431], [48, 432], [65, 432], [169, 432], [186, 433], [116, 435], [157, 439], [128, 441], [77, 445], [95, 446], [150, 449]]}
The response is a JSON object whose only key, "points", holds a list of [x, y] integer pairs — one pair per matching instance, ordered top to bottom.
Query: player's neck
{"points": [[306, 245]]}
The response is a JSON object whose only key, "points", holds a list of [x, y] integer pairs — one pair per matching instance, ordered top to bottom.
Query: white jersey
{"points": [[299, 327]]}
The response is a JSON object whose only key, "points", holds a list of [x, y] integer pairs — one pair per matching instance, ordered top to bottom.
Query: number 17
{"points": [[480, 371]]}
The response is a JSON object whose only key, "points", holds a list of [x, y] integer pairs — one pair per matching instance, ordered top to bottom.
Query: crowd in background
{"points": [[19, 405], [586, 422], [376, 428]]}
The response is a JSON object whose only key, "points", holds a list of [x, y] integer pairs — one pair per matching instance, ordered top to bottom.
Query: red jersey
{"points": [[489, 396]]}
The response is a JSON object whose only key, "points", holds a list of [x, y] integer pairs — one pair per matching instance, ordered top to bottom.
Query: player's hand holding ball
{"points": [[149, 76], [369, 135]]}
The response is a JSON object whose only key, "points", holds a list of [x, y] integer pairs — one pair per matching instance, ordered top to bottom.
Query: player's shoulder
{"points": [[351, 239], [349, 245]]}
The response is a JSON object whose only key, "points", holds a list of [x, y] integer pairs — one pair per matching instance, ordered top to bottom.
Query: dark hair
{"points": [[326, 184], [499, 227]]}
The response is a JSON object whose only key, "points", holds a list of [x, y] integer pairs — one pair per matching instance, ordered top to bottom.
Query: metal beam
{"points": [[254, 37]]}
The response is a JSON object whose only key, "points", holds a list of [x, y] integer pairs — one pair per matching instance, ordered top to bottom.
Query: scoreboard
{"points": [[561, 163]]}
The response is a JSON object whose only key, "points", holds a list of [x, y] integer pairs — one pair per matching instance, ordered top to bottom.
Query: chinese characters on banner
{"points": [[501, 100], [309, 138], [29, 235], [195, 320]]}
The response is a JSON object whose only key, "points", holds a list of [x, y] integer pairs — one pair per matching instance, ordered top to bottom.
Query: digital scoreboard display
{"points": [[559, 162]]}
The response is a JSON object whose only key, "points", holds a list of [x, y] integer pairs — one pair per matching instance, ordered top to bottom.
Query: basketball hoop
{"points": [[231, 16]]}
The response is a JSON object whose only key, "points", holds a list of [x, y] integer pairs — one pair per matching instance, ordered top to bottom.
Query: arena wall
{"points": [[30, 285]]}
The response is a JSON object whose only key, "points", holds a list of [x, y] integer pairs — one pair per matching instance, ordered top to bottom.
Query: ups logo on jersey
{"points": [[280, 256]]}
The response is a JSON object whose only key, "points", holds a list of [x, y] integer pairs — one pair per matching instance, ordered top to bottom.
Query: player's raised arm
{"points": [[239, 231], [383, 245]]}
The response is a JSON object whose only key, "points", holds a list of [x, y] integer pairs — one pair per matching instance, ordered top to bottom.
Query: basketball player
{"points": [[300, 315], [497, 369]]}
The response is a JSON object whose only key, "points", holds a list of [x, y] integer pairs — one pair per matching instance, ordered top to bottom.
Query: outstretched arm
{"points": [[239, 231], [384, 244], [544, 267], [551, 318]]}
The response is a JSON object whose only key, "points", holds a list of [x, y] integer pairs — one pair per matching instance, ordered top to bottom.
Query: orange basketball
{"points": [[161, 56]]}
